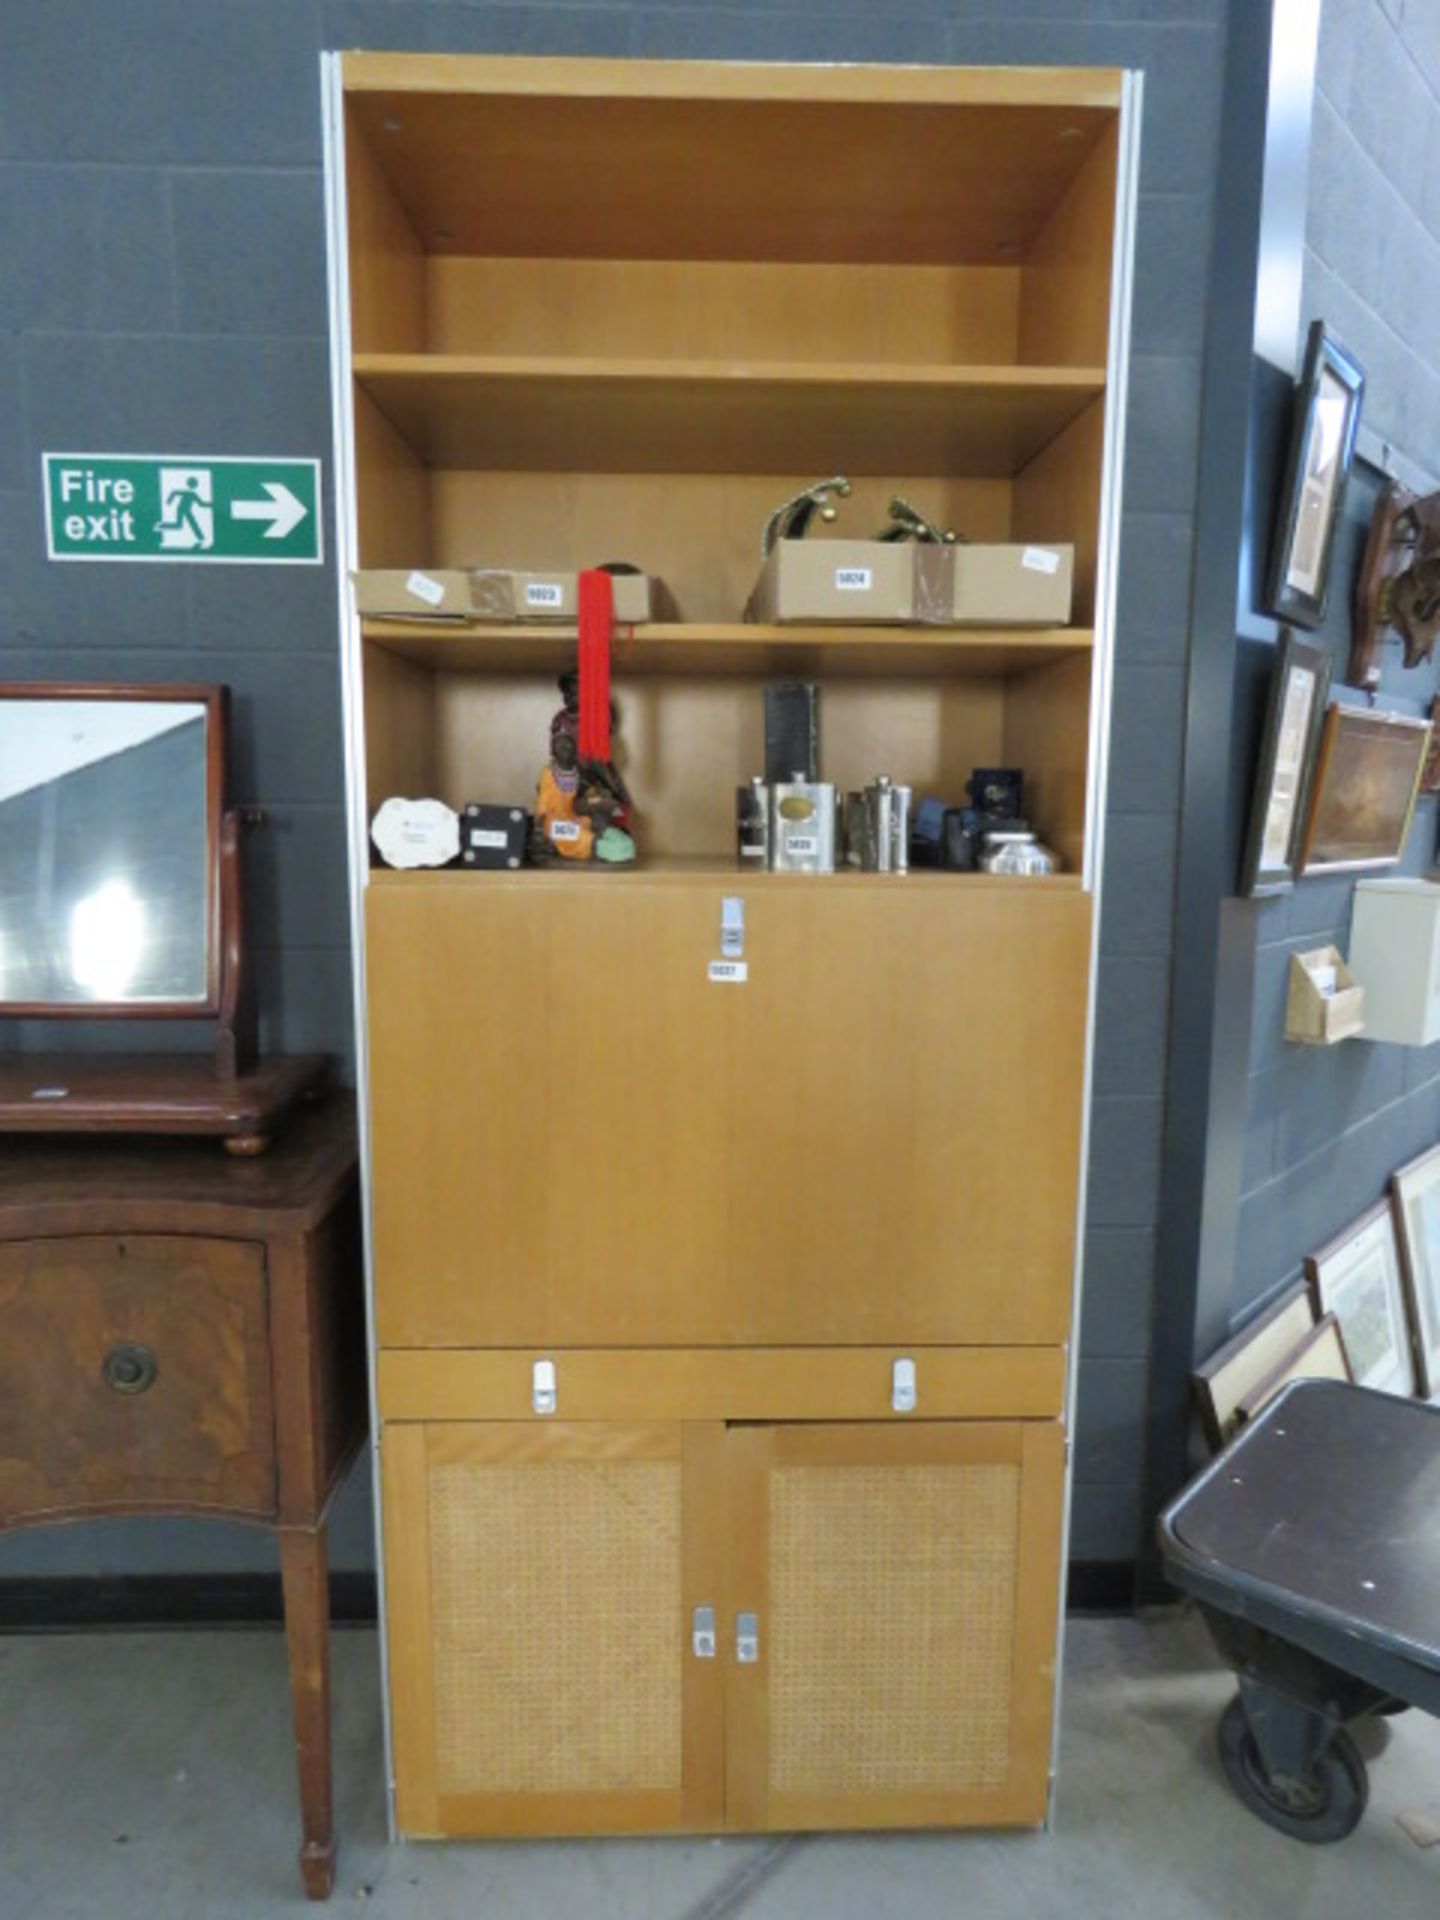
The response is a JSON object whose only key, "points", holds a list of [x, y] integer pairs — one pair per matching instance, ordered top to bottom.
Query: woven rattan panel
{"points": [[555, 1596], [892, 1601]]}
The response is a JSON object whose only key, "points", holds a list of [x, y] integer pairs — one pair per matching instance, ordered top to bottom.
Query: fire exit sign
{"points": [[190, 507]]}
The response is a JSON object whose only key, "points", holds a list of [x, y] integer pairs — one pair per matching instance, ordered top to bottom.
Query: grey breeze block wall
{"points": [[161, 233], [1326, 1127]]}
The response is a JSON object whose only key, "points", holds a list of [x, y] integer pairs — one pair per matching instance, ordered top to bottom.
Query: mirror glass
{"points": [[104, 839]]}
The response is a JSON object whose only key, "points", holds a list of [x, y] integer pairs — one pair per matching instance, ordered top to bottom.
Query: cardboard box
{"points": [[863, 581], [911, 583], [981, 585], [490, 593], [428, 594], [502, 594]]}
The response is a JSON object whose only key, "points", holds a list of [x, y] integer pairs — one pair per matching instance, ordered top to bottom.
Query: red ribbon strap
{"points": [[597, 623]]}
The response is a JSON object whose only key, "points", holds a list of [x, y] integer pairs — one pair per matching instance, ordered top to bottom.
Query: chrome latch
{"points": [[732, 926], [542, 1386], [902, 1386], [702, 1633], [747, 1638]]}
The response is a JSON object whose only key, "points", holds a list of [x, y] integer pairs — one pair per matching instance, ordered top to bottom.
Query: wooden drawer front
{"points": [[765, 1383], [200, 1433]]}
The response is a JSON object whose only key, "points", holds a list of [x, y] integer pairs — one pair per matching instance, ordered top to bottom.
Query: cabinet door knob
{"points": [[129, 1368], [702, 1633], [747, 1638]]}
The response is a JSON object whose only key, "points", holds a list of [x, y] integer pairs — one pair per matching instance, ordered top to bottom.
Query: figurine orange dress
{"points": [[565, 830]]}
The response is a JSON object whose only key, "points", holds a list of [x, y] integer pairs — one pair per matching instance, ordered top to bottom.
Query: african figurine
{"points": [[578, 806]]}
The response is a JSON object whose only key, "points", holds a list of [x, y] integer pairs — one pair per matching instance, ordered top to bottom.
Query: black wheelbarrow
{"points": [[1312, 1545]]}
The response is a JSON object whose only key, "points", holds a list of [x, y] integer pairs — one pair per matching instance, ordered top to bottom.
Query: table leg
{"points": [[304, 1563]]}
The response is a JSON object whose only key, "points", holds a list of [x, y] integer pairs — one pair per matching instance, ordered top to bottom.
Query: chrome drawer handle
{"points": [[130, 1368]]}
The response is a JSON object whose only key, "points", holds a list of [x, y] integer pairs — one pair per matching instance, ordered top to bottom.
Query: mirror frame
{"points": [[215, 700]]}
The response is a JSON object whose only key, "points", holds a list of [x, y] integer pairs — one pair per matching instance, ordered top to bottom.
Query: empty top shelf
{"points": [[657, 160]]}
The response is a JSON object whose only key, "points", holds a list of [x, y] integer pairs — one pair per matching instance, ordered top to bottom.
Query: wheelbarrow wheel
{"points": [[1323, 1807]]}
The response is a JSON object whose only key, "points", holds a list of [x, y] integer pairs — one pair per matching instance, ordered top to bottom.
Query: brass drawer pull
{"points": [[130, 1368]]}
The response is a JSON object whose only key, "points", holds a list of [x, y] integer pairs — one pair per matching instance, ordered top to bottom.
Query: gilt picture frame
{"points": [[1322, 446], [1363, 793]]}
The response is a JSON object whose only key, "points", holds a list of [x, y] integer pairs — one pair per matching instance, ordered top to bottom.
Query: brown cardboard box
{"points": [[863, 581], [981, 585], [430, 593], [490, 593], [500, 593]]}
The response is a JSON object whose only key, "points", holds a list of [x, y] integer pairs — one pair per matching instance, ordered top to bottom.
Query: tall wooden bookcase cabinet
{"points": [[582, 311]]}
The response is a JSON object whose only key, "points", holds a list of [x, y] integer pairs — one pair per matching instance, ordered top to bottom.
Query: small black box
{"points": [[792, 732], [493, 836]]}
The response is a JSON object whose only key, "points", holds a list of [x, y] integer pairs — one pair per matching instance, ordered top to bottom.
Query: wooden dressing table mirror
{"points": [[121, 899]]}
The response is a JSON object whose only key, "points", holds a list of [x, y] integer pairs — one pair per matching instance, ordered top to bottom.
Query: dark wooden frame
{"points": [[1323, 354], [1292, 656], [1338, 719], [218, 907]]}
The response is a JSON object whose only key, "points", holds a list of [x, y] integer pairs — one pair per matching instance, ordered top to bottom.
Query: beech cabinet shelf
{"points": [[622, 416], [737, 648]]}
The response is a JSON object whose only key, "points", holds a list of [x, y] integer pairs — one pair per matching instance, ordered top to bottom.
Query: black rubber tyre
{"points": [[1323, 1808]]}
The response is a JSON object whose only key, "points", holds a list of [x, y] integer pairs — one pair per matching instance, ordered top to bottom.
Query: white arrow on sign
{"points": [[282, 510]]}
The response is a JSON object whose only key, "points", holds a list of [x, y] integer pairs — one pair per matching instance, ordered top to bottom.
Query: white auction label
{"points": [[1040, 560], [853, 579], [421, 587], [543, 593], [567, 831], [489, 837], [801, 846], [729, 973]]}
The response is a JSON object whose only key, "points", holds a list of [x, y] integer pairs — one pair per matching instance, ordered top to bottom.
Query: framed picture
{"points": [[1322, 445], [1293, 720], [1362, 797], [1416, 1192], [1356, 1276], [1321, 1355], [1237, 1368]]}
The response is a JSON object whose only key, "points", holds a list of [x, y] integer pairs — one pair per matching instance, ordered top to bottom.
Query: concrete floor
{"points": [[149, 1775]]}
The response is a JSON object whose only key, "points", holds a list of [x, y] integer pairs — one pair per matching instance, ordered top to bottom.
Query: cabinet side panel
{"points": [[387, 261], [1065, 282], [392, 490], [1057, 497], [399, 728], [1047, 732]]}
